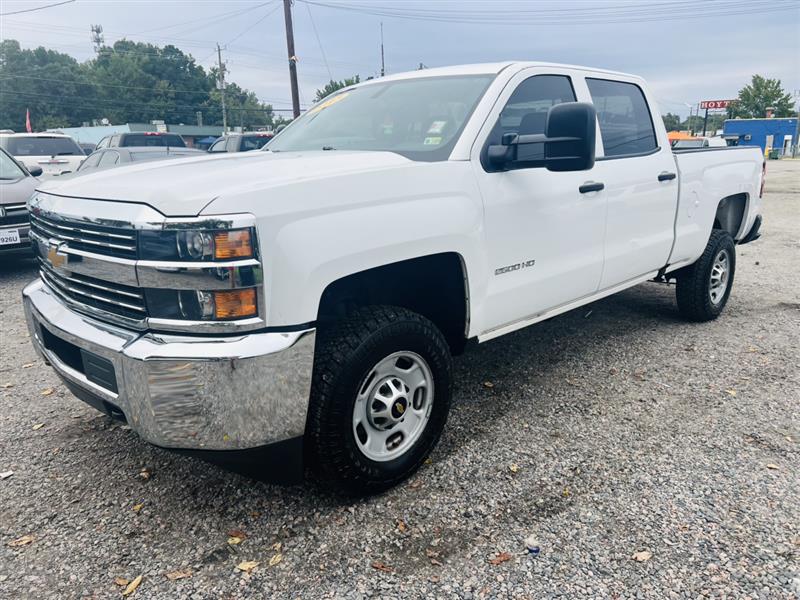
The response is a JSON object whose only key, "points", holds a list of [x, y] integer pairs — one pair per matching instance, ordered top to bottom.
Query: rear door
{"points": [[638, 171], [544, 237]]}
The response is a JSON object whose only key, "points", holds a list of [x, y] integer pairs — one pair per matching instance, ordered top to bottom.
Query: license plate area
{"points": [[9, 237], [96, 369]]}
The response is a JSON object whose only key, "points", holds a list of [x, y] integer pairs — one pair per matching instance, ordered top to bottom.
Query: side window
{"points": [[526, 113], [626, 126], [218, 146], [109, 158], [91, 161]]}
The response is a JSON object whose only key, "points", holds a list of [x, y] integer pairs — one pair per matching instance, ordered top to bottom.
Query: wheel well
{"points": [[730, 213], [433, 286]]}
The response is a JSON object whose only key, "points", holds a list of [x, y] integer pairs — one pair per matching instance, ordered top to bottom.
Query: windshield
{"points": [[420, 119], [143, 139], [43, 146], [9, 169]]}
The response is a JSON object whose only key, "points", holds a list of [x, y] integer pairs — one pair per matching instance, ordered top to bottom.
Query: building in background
{"points": [[191, 134], [776, 134]]}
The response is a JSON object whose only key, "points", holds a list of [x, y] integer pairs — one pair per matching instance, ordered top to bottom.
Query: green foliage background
{"points": [[128, 82]]}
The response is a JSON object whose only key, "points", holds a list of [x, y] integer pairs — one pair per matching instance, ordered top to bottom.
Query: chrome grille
{"points": [[13, 214], [100, 239], [122, 300]]}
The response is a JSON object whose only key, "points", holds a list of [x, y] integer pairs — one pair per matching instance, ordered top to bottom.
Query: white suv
{"points": [[55, 153]]}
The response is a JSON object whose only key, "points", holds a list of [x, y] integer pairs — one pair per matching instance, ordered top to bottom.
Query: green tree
{"points": [[125, 83], [52, 85], [333, 86], [760, 94], [671, 122]]}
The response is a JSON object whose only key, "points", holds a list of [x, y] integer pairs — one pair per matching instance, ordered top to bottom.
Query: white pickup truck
{"points": [[300, 305]]}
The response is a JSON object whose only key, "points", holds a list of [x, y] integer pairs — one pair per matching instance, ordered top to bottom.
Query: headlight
{"points": [[195, 245], [198, 305]]}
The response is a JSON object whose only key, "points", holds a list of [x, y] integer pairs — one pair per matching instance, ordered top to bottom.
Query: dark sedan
{"points": [[16, 186]]}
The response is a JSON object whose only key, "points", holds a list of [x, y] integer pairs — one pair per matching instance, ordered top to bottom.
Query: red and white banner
{"points": [[715, 104], [28, 120]]}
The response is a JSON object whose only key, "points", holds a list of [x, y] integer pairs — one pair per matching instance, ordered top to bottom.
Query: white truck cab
{"points": [[303, 302]]}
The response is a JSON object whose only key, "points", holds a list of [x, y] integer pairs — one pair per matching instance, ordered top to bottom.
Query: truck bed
{"points": [[706, 176]]}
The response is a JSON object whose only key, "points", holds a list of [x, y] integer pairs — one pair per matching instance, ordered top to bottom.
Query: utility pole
{"points": [[287, 15], [383, 65], [221, 87]]}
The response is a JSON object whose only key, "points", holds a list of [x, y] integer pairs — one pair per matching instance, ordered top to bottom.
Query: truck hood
{"points": [[183, 187]]}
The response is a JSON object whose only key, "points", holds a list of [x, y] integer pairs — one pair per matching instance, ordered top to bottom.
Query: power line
{"points": [[27, 10], [574, 16], [316, 33], [122, 87], [116, 103]]}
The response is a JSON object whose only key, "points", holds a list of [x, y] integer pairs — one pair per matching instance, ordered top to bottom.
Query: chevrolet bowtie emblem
{"points": [[55, 257], [400, 407]]}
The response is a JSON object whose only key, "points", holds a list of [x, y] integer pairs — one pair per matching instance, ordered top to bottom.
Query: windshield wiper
{"points": [[328, 148]]}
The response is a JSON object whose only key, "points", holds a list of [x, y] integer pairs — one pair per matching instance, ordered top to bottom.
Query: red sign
{"points": [[715, 104]]}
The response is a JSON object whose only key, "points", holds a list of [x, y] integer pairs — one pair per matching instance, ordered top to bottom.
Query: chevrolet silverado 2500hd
{"points": [[299, 305]]}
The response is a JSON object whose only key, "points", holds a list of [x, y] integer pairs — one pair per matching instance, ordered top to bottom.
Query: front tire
{"points": [[704, 287], [380, 396]]}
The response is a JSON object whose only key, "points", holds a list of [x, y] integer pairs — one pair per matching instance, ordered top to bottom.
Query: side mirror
{"points": [[575, 123], [569, 140], [35, 171]]}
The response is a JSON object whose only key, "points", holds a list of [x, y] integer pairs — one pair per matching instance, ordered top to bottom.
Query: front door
{"points": [[544, 237]]}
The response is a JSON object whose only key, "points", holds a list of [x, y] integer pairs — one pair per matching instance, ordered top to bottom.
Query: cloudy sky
{"points": [[689, 50]]}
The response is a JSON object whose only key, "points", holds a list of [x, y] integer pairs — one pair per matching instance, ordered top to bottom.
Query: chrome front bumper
{"points": [[179, 391]]}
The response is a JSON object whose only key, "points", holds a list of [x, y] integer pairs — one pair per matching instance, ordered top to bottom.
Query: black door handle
{"points": [[666, 176], [591, 187]]}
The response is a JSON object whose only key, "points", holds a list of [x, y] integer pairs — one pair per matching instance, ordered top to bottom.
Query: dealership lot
{"points": [[615, 431]]}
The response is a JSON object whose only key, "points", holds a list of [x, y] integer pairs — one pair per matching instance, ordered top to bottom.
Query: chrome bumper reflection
{"points": [[213, 393]]}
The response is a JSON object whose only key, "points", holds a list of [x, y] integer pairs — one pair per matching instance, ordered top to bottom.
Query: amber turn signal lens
{"points": [[233, 244], [235, 304]]}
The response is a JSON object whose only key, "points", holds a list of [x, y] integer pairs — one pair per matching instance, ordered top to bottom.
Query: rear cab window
{"points": [[626, 125], [150, 139], [253, 142]]}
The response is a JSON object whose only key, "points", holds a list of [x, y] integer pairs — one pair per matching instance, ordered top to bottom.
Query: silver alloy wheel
{"points": [[718, 282], [393, 406]]}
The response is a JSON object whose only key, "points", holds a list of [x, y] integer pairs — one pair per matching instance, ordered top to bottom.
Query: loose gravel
{"points": [[613, 452]]}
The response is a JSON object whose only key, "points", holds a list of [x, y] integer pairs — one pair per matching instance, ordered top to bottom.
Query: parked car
{"points": [[142, 138], [241, 142], [699, 142], [54, 153], [115, 157], [17, 184], [304, 301]]}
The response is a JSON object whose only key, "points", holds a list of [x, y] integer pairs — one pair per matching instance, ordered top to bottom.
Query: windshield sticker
{"points": [[327, 103], [436, 127], [432, 141]]}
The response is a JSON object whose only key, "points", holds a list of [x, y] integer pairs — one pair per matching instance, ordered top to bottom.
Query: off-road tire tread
{"points": [[692, 281], [337, 345]]}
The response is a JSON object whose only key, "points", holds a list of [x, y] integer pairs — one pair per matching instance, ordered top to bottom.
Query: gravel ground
{"points": [[614, 430]]}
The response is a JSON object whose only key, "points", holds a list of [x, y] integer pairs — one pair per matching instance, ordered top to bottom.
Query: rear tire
{"points": [[704, 287], [380, 396]]}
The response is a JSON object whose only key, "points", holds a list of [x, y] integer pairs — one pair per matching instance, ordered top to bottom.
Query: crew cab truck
{"points": [[298, 306]]}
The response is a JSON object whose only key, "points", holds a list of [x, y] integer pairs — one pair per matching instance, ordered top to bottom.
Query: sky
{"points": [[688, 50]]}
